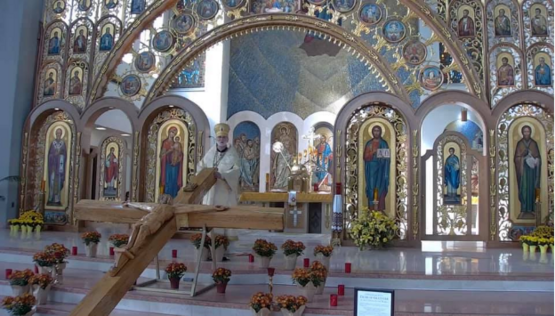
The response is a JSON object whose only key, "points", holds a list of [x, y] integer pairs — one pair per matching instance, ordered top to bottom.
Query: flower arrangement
{"points": [[30, 218], [373, 229], [543, 232], [91, 237], [197, 238], [118, 240], [529, 240], [221, 241], [264, 248], [292, 248], [59, 251], [326, 251], [44, 259], [175, 270], [221, 275], [302, 276], [318, 277], [21, 278], [42, 280], [261, 300], [291, 303], [19, 305]]}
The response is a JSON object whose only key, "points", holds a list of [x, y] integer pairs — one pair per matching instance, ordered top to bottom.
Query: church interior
{"points": [[277, 157]]}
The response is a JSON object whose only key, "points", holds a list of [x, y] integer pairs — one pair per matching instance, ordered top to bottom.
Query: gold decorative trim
{"points": [[76, 166], [493, 185], [415, 188]]}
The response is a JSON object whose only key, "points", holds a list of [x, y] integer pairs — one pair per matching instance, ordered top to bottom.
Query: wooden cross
{"points": [[152, 230]]}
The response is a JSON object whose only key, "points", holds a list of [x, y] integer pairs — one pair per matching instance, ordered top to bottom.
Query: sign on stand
{"points": [[370, 302]]}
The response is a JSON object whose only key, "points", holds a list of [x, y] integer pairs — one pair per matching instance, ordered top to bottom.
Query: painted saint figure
{"points": [[137, 6], [502, 24], [539, 24], [466, 25], [107, 40], [80, 43], [54, 44], [542, 73], [505, 75], [49, 85], [75, 85], [57, 158], [324, 159], [377, 160], [282, 161], [171, 162], [111, 168], [527, 168], [452, 177]]}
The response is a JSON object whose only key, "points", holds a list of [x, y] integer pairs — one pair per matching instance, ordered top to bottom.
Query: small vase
{"points": [[16, 228], [23, 229], [29, 229], [38, 229], [525, 247], [91, 249], [533, 249], [543, 249], [219, 253], [203, 254], [324, 260], [264, 262], [290, 262], [47, 270], [59, 272], [174, 283], [220, 287], [320, 289], [19, 290], [308, 291], [41, 294], [299, 311], [262, 312]]}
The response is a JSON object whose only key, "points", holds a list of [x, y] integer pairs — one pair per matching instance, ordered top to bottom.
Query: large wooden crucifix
{"points": [[154, 225]]}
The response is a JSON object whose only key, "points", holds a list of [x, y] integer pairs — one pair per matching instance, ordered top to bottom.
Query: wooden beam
{"points": [[204, 181], [302, 197], [108, 211], [106, 294]]}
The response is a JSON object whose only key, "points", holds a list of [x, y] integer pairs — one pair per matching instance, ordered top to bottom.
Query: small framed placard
{"points": [[370, 302]]}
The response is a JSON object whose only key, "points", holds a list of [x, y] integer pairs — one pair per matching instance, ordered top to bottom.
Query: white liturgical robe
{"points": [[224, 193]]}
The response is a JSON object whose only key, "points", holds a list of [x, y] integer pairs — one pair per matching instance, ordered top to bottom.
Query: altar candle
{"points": [[42, 185], [316, 188], [74, 251], [111, 251], [174, 253], [251, 258], [306, 262], [347, 267], [36, 269], [271, 271], [8, 273], [341, 290], [333, 299]]}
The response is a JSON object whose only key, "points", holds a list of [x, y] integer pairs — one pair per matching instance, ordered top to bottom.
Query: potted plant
{"points": [[372, 229], [91, 240], [118, 241], [221, 242], [524, 242], [543, 243], [292, 250], [201, 251], [264, 251], [60, 253], [323, 254], [45, 261], [175, 271], [221, 276], [318, 276], [303, 278], [19, 281], [41, 287], [261, 303], [21, 305], [291, 305]]}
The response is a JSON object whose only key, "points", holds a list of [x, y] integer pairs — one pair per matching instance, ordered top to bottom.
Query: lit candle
{"points": [[538, 193], [375, 194], [74, 251], [174, 253], [306, 262], [347, 267], [341, 290], [333, 300]]}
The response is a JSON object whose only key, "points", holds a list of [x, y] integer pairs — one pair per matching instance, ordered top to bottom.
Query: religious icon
{"points": [[110, 4], [232, 4], [83, 5], [59, 6], [138, 6], [274, 6], [344, 6], [207, 9], [370, 14], [539, 21], [466, 22], [502, 22], [183, 23], [394, 31], [107, 38], [162, 41], [54, 42], [80, 42], [415, 52], [145, 61], [542, 70], [505, 73], [431, 78], [75, 82], [50, 83], [130, 85], [471, 131], [285, 133], [246, 140], [171, 155], [324, 157], [377, 158], [527, 162], [56, 169], [111, 170], [452, 175]]}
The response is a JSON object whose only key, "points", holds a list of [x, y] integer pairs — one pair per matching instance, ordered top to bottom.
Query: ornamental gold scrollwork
{"points": [[493, 186], [415, 188], [134, 195]]}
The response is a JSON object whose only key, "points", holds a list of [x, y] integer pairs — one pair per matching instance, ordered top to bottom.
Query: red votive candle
{"points": [[316, 188], [74, 251], [111, 251], [174, 253], [251, 258], [306, 262], [347, 267], [36, 269], [271, 271], [8, 273], [341, 290], [333, 300]]}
